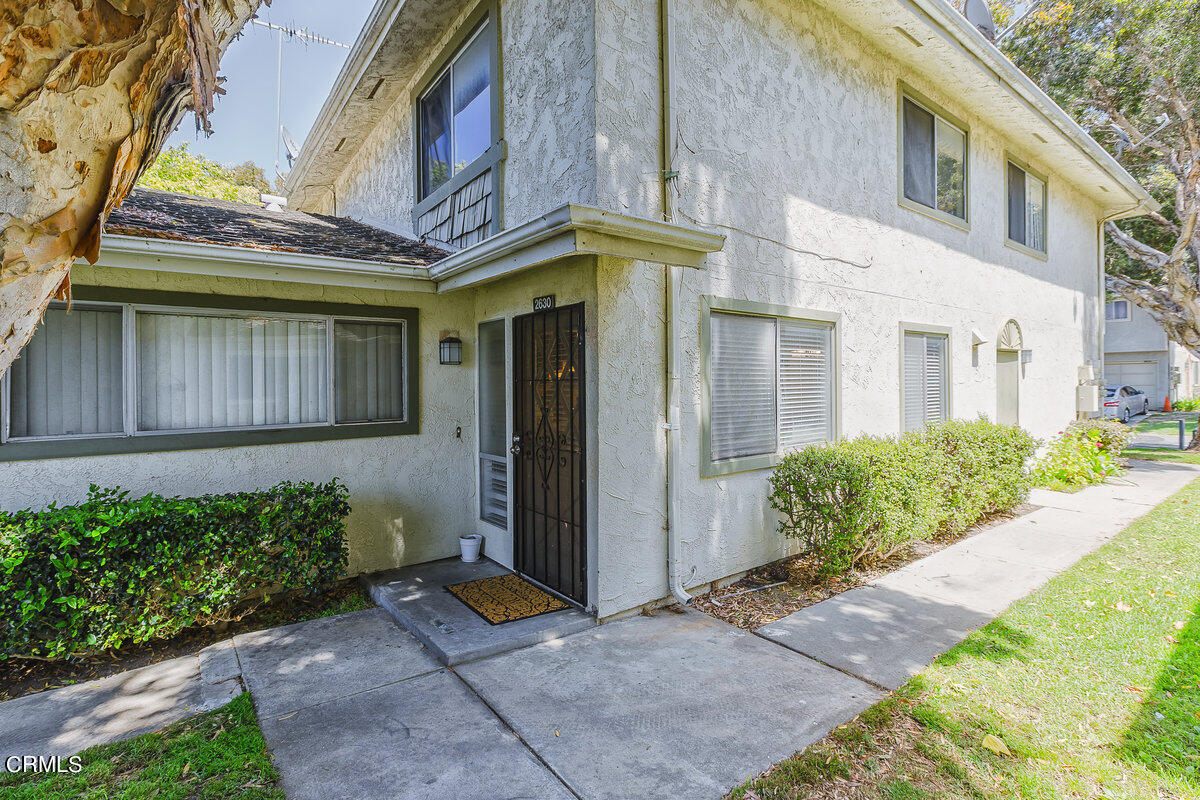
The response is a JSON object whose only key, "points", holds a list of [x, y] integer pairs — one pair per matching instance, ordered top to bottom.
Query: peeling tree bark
{"points": [[89, 89]]}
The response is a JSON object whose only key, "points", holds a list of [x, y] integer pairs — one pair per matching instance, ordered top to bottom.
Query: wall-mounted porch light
{"points": [[450, 350]]}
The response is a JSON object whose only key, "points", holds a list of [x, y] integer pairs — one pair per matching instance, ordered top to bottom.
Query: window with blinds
{"points": [[933, 155], [128, 370], [771, 385], [926, 386]]}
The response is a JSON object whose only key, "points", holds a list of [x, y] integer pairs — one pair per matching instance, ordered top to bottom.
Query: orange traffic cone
{"points": [[1167, 404]]}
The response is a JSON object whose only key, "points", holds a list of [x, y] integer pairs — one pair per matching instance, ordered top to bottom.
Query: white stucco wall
{"points": [[548, 111], [787, 128], [1138, 334], [411, 496]]}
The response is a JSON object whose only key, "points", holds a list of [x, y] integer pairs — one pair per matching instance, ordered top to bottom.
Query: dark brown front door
{"points": [[549, 489]]}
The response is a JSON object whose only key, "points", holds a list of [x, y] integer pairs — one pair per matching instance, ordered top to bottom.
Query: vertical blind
{"points": [[1026, 208], [369, 365], [193, 371], [199, 371], [925, 373], [68, 380], [771, 384]]}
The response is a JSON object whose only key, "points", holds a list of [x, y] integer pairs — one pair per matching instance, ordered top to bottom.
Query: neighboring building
{"points": [[875, 221], [1137, 353]]}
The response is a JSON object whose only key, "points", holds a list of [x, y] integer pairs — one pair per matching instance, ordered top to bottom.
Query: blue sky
{"points": [[245, 116]]}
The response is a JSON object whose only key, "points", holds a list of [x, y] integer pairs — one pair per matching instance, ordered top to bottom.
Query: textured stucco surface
{"points": [[548, 104], [786, 143], [411, 496]]}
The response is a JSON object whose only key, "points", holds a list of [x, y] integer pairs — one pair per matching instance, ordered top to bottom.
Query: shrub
{"points": [[1187, 404], [1113, 436], [1083, 454], [982, 468], [860, 501], [78, 580]]}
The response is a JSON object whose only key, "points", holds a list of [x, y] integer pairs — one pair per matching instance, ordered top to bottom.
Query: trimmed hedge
{"points": [[860, 501], [79, 580]]}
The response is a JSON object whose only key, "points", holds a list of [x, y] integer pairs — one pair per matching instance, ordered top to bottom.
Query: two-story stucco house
{"points": [[684, 238], [1137, 353]]}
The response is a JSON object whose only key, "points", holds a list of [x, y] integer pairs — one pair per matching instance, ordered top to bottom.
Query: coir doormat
{"points": [[505, 598]]}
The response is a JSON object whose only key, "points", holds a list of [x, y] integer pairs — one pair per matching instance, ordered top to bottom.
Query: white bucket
{"points": [[469, 545]]}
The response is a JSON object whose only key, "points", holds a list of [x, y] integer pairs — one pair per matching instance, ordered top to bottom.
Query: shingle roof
{"points": [[151, 214]]}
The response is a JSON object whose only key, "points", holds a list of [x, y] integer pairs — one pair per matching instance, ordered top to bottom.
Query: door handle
{"points": [[516, 445]]}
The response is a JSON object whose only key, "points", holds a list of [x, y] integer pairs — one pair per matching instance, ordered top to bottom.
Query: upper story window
{"points": [[456, 125], [933, 153], [1026, 208], [1117, 311]]}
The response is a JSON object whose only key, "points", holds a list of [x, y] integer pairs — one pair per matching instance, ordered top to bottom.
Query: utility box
{"points": [[1087, 373], [1087, 399]]}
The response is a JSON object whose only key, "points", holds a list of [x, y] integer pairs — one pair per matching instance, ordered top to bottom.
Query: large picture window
{"points": [[455, 113], [933, 153], [1026, 209], [146, 371], [771, 387]]}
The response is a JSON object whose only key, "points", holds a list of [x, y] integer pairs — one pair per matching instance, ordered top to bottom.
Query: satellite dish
{"points": [[979, 15], [293, 149]]}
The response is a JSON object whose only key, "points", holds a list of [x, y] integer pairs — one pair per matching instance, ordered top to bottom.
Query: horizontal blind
{"points": [[369, 362], [197, 371], [935, 378], [68, 380], [805, 383], [925, 386], [492, 398], [742, 411], [493, 489]]}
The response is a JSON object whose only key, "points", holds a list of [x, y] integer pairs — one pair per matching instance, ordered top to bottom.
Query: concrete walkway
{"points": [[893, 628], [676, 705]]}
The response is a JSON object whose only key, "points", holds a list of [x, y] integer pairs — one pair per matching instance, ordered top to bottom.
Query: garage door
{"points": [[1142, 375]]}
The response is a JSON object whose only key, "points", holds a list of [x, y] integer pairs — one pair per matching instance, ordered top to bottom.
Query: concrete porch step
{"points": [[416, 598]]}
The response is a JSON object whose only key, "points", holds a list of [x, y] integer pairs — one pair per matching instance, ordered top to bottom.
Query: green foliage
{"points": [[177, 169], [1187, 404], [1085, 453], [860, 501], [79, 580], [220, 755]]}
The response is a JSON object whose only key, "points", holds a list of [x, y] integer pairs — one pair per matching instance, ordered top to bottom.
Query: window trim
{"points": [[906, 92], [494, 156], [1009, 158], [132, 300], [711, 303], [1117, 321], [936, 330]]}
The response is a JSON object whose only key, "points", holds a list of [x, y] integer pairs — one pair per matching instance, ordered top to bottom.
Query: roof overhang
{"points": [[934, 40], [388, 54], [574, 230], [567, 231], [196, 258]]}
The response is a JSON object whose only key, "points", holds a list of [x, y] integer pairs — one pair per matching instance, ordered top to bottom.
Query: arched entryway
{"points": [[1008, 373]]}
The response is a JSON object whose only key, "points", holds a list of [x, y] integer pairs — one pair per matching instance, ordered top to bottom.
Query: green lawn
{"points": [[1159, 423], [1150, 454], [1090, 688], [213, 756]]}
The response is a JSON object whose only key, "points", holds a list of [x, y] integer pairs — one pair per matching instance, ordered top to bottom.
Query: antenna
{"points": [[1026, 14], [293, 33]]}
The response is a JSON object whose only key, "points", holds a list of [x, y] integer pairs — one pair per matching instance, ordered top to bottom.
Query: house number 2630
{"points": [[543, 303]]}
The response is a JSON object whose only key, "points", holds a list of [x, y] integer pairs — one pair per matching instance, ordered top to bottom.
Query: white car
{"points": [[1123, 402]]}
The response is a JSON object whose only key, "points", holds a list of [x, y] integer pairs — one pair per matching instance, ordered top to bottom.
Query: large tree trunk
{"points": [[88, 91]]}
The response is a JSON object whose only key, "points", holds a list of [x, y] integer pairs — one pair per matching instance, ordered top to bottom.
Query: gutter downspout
{"points": [[670, 330]]}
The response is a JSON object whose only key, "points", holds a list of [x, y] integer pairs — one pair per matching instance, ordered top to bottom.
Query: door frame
{"points": [[581, 597]]}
